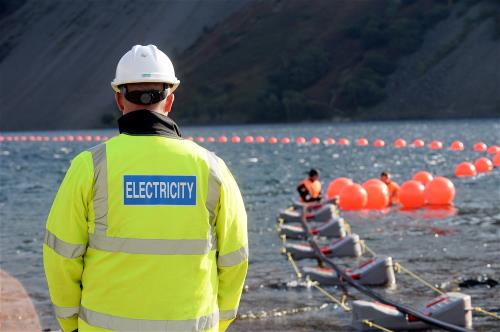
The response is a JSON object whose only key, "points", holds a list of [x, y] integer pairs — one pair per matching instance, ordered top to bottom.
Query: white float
{"points": [[324, 213], [332, 228], [348, 246], [377, 271], [453, 308]]}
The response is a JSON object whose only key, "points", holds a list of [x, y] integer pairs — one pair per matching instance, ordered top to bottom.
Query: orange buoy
{"points": [[24, 138], [70, 138], [79, 138], [189, 138], [200, 139], [210, 139], [222, 139], [235, 139], [249, 139], [260, 139], [272, 140], [285, 140], [300, 140], [315, 140], [330, 141], [344, 141], [362, 141], [378, 143], [399, 143], [418, 143], [436, 145], [456, 146], [480, 147], [493, 149], [496, 160], [483, 165], [465, 169], [423, 177], [374, 181], [336, 186], [440, 191], [412, 194], [377, 195], [353, 197]]}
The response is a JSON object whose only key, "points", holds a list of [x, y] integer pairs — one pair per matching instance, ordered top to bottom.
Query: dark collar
{"points": [[144, 122]]}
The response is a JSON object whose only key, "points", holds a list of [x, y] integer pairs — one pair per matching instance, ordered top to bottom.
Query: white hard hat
{"points": [[144, 64]]}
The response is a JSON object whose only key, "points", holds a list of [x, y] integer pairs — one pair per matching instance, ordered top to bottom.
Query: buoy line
{"points": [[411, 314]]}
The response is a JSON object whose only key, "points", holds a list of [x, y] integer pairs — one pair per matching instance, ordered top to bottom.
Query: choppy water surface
{"points": [[441, 249]]}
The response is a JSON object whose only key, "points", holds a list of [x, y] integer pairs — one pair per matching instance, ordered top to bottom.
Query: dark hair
{"points": [[313, 172], [384, 173]]}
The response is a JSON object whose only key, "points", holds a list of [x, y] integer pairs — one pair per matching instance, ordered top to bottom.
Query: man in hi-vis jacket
{"points": [[148, 231]]}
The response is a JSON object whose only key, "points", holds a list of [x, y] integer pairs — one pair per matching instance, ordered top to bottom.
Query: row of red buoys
{"points": [[60, 138], [481, 165], [422, 189]]}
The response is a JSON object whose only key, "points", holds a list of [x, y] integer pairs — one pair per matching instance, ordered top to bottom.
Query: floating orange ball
{"points": [[200, 139], [210, 139], [223, 139], [235, 139], [249, 139], [260, 139], [272, 140], [285, 140], [300, 140], [315, 140], [330, 141], [344, 141], [362, 141], [378, 143], [399, 143], [418, 143], [436, 145], [456, 146], [480, 147], [493, 149], [496, 160], [483, 165], [465, 169], [423, 177], [374, 181], [336, 186], [440, 191], [412, 194], [377, 195], [353, 197]]}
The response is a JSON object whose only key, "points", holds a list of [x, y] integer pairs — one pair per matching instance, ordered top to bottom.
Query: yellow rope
{"points": [[348, 229], [365, 246], [294, 265], [398, 267], [341, 303], [485, 312], [372, 324]]}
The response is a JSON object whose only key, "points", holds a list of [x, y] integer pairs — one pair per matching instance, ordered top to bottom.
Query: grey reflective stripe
{"points": [[214, 184], [100, 187], [150, 246], [63, 248], [233, 258], [66, 312], [227, 314], [130, 324]]}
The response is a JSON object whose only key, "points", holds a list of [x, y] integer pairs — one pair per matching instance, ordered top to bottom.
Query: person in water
{"points": [[392, 186], [310, 188]]}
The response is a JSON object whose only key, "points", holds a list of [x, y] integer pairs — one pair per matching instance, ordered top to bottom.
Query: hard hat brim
{"points": [[115, 84]]}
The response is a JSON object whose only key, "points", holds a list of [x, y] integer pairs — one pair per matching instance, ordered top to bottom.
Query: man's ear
{"points": [[119, 101], [169, 103]]}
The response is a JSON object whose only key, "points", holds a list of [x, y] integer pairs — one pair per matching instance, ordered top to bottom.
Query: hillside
{"points": [[57, 57], [251, 61], [291, 61]]}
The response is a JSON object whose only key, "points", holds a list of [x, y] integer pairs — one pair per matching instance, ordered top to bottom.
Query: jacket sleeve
{"points": [[65, 241], [232, 243]]}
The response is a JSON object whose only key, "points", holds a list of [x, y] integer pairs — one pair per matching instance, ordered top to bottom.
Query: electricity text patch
{"points": [[159, 190]]}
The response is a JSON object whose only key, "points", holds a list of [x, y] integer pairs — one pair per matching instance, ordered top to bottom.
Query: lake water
{"points": [[442, 248]]}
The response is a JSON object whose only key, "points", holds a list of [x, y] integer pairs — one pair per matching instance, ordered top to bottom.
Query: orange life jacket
{"points": [[314, 187], [393, 192]]}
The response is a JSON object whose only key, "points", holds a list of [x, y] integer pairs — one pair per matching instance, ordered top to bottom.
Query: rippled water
{"points": [[442, 249]]}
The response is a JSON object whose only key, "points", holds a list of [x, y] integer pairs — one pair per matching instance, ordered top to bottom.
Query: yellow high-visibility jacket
{"points": [[146, 233]]}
